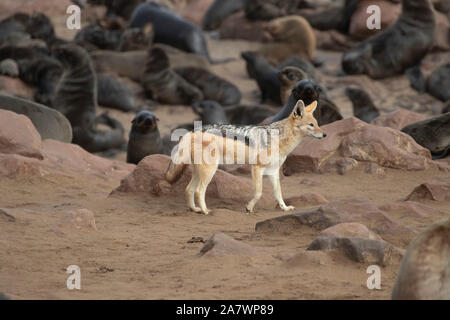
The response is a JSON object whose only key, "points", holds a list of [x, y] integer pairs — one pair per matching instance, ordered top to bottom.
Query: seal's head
{"points": [[144, 122]]}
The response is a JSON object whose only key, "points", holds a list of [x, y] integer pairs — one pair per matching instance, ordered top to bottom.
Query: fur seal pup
{"points": [[271, 9], [219, 11], [172, 29], [292, 35], [98, 37], [136, 38], [397, 48], [301, 63], [265, 75], [288, 77], [438, 83], [163, 84], [212, 86], [309, 91], [113, 94], [76, 98], [363, 107], [210, 112], [248, 115], [50, 123], [433, 134], [144, 137], [424, 272]]}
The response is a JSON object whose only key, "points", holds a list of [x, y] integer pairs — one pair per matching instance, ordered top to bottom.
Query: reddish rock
{"points": [[49, 7], [194, 10], [358, 23], [236, 26], [442, 33], [17, 87], [398, 119], [18, 135], [352, 138], [72, 158], [15, 166], [373, 168], [149, 177], [437, 190], [306, 198], [352, 209], [410, 209], [350, 230], [221, 244], [360, 250], [308, 258], [424, 272]]}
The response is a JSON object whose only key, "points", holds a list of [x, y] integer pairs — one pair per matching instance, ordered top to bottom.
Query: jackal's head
{"points": [[303, 120]]}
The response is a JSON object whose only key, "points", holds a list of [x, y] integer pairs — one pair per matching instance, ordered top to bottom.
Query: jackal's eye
{"points": [[311, 124]]}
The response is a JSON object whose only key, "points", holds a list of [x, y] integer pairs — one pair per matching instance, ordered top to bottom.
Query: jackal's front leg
{"points": [[275, 179], [257, 183]]}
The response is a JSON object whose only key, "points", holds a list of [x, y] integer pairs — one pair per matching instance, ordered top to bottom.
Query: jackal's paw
{"points": [[288, 208], [196, 209], [248, 210], [206, 212]]}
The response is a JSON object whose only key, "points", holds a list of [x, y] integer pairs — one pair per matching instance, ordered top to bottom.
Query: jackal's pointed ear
{"points": [[310, 108], [298, 109]]}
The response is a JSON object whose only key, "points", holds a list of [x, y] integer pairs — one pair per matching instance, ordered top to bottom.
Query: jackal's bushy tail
{"points": [[179, 159]]}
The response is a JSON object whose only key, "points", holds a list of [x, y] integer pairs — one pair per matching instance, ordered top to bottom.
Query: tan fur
{"points": [[292, 35], [301, 122]]}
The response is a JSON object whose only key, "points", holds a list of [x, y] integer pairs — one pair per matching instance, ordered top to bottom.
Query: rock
{"points": [[195, 10], [358, 23], [237, 26], [442, 33], [16, 86], [398, 119], [50, 123], [19, 136], [354, 139], [67, 157], [14, 166], [373, 168], [149, 177], [437, 190], [306, 198], [353, 209], [410, 209], [6, 216], [81, 219], [350, 230], [221, 244], [366, 251], [309, 258], [424, 272]]}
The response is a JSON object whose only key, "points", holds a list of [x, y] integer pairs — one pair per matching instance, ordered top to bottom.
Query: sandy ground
{"points": [[141, 249]]}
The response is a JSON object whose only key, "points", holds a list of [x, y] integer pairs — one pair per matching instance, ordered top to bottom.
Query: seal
{"points": [[271, 9], [219, 11], [172, 29], [292, 35], [136, 38], [397, 48], [265, 75], [288, 77], [438, 83], [163, 84], [212, 86], [308, 91], [114, 94], [76, 98], [363, 106], [446, 107], [210, 112], [248, 115], [50, 123], [433, 134], [144, 138], [424, 272]]}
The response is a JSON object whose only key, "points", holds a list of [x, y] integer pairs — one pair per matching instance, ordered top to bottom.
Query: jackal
{"points": [[265, 148]]}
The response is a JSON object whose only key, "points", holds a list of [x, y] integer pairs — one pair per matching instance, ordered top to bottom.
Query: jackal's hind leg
{"points": [[205, 174], [275, 179], [258, 185], [190, 190]]}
